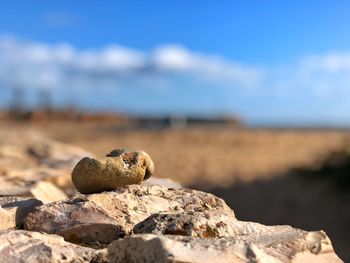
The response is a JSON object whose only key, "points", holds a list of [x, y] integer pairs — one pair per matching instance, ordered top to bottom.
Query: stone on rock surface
{"points": [[120, 168], [14, 209], [106, 216], [204, 224], [184, 225], [281, 245], [20, 246]]}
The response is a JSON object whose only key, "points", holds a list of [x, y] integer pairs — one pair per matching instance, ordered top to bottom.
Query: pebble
{"points": [[119, 168]]}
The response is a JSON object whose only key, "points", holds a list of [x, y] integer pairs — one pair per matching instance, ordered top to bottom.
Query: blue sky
{"points": [[267, 61]]}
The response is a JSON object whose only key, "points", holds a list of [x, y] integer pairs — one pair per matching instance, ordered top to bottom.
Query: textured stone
{"points": [[30, 150], [53, 154], [27, 157], [120, 168], [19, 180], [167, 182], [13, 186], [41, 190], [47, 192], [14, 209], [106, 216], [196, 224], [280, 244], [20, 246]]}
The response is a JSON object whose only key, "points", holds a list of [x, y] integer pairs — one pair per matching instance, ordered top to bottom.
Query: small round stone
{"points": [[119, 168]]}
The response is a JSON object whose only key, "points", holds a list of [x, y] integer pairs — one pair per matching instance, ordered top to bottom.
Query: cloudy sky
{"points": [[272, 62]]}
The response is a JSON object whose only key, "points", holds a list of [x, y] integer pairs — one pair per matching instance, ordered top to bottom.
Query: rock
{"points": [[30, 150], [53, 154], [31, 157], [120, 168], [59, 178], [167, 182], [13, 186], [46, 192], [14, 209], [106, 216], [205, 224], [278, 244], [21, 246]]}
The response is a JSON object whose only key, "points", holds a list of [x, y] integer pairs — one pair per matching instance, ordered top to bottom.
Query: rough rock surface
{"points": [[120, 168], [14, 209], [109, 215], [204, 224], [278, 244], [20, 246]]}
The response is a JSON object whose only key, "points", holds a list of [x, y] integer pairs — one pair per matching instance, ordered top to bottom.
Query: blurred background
{"points": [[248, 100]]}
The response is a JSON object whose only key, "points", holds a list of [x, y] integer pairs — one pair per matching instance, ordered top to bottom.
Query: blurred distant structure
{"points": [[18, 99], [44, 99], [18, 108], [45, 111], [72, 115], [178, 122]]}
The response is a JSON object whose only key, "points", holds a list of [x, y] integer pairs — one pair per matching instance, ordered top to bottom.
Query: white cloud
{"points": [[111, 58], [177, 58], [32, 63], [331, 63], [326, 75], [316, 80]]}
